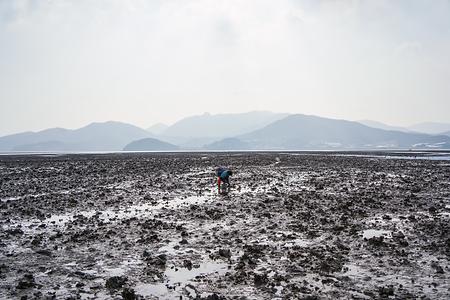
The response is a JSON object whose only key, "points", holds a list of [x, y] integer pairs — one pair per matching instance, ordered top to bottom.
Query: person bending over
{"points": [[223, 176]]}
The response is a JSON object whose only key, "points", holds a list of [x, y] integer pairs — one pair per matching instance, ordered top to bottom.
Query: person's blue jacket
{"points": [[223, 173]]}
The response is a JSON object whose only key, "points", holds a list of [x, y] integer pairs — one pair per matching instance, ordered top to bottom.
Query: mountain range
{"points": [[221, 125], [379, 125], [426, 127], [430, 127], [157, 128], [247, 131], [312, 132], [108, 136], [150, 144]]}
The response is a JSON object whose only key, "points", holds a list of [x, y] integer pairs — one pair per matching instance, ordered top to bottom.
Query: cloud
{"points": [[147, 61]]}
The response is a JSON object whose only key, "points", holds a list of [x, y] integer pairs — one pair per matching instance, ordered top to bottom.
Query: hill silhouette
{"points": [[221, 125], [311, 132], [107, 136], [150, 144]]}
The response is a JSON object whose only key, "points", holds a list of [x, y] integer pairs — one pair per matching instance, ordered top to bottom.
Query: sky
{"points": [[66, 63]]}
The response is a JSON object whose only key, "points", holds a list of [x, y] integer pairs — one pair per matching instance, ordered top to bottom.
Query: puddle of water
{"points": [[411, 156], [425, 157], [63, 192], [21, 197], [11, 199], [171, 204], [145, 208], [125, 212], [108, 215], [380, 221], [370, 233], [281, 241], [295, 243], [170, 248], [353, 270], [115, 271], [183, 275], [178, 280], [158, 290]]}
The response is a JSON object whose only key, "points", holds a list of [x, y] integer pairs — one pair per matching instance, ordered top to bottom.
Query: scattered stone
{"points": [[15, 231], [376, 241], [44, 252], [225, 253], [158, 261], [187, 264], [437, 267], [260, 279], [26, 282], [115, 282], [386, 291], [129, 294], [213, 296]]}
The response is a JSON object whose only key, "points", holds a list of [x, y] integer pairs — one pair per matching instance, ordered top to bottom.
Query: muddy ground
{"points": [[294, 226]]}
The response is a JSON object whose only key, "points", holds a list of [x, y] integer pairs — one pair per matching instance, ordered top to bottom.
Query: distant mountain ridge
{"points": [[221, 125], [379, 125], [430, 127], [157, 128], [272, 132], [304, 132], [107, 136], [150, 144], [229, 144], [42, 146]]}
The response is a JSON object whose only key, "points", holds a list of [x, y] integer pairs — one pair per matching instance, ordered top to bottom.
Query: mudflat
{"points": [[294, 226]]}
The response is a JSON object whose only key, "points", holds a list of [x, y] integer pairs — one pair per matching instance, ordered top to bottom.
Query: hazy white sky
{"points": [[70, 62]]}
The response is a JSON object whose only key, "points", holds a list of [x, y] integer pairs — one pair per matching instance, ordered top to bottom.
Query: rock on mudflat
{"points": [[225, 253], [158, 261], [187, 264], [26, 282], [115, 282], [129, 294], [213, 296]]}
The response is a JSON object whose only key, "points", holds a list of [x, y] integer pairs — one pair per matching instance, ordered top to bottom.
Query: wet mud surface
{"points": [[151, 226]]}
